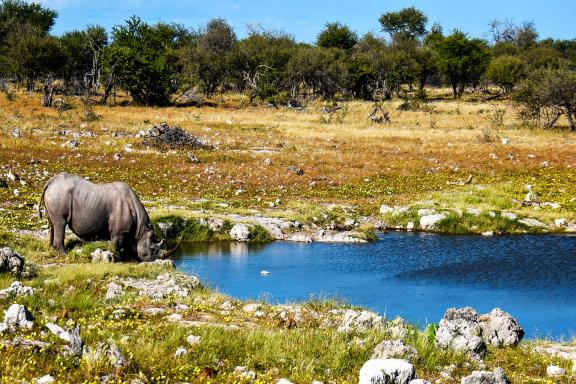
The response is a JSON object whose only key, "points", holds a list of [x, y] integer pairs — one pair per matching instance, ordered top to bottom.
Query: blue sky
{"points": [[304, 19]]}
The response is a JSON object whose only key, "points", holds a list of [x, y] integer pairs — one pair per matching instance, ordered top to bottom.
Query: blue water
{"points": [[413, 275]]}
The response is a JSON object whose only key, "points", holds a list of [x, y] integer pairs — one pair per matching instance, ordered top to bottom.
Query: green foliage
{"points": [[14, 12], [407, 23], [337, 35], [144, 60], [462, 60], [506, 71], [546, 94], [259, 234]]}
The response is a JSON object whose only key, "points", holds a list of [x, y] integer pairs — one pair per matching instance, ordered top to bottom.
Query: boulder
{"points": [[509, 215], [429, 221], [533, 223], [216, 224], [240, 232], [102, 256], [10, 261], [167, 263], [16, 289], [114, 291], [17, 316], [360, 321], [398, 328], [499, 329], [460, 330], [193, 340], [394, 349], [389, 371], [555, 371], [485, 377], [46, 379], [284, 381]]}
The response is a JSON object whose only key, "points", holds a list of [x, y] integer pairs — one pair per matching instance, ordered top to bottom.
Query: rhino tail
{"points": [[42, 198]]}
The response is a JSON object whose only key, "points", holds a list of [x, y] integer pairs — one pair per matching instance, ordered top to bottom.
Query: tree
{"points": [[21, 12], [407, 23], [505, 31], [336, 35], [83, 50], [29, 54], [208, 59], [143, 60], [462, 60], [260, 63], [320, 70], [506, 71], [549, 93]]}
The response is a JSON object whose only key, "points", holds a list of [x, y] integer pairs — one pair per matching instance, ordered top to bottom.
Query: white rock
{"points": [[505, 141], [385, 209], [474, 211], [426, 212], [509, 215], [430, 221], [532, 223], [560, 223], [410, 226], [240, 232], [488, 233], [300, 238], [102, 256], [16, 289], [114, 291], [227, 306], [251, 307], [17, 316], [360, 321], [500, 329], [59, 331], [193, 340], [394, 349], [180, 352], [391, 371], [555, 371], [484, 377], [46, 379], [284, 381]]}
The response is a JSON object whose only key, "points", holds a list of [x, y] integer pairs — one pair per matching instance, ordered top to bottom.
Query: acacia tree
{"points": [[408, 23], [337, 35], [142, 58], [209, 58], [462, 60], [506, 71], [548, 94]]}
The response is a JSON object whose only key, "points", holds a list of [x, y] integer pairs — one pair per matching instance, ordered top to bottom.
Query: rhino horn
{"points": [[167, 253]]}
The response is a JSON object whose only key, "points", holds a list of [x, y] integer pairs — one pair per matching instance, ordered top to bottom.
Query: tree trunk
{"points": [[47, 92], [570, 116]]}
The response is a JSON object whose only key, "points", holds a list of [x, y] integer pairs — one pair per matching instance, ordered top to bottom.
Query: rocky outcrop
{"points": [[429, 222], [240, 232], [102, 256], [10, 261], [161, 287], [16, 289], [114, 290], [17, 317], [360, 321], [459, 329], [499, 329], [464, 330], [394, 349], [567, 352], [386, 371], [555, 371], [485, 377]]}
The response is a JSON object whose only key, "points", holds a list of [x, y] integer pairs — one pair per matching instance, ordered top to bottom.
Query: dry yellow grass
{"points": [[350, 160]]}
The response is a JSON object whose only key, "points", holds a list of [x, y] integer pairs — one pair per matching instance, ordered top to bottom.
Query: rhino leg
{"points": [[57, 235]]}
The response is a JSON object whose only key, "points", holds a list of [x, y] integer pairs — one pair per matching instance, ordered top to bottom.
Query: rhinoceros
{"points": [[100, 212]]}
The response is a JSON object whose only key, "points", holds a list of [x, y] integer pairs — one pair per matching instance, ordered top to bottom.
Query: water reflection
{"points": [[416, 276]]}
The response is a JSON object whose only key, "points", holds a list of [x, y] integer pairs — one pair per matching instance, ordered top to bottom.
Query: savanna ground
{"points": [[415, 160]]}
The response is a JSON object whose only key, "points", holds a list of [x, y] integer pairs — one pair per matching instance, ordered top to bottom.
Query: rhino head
{"points": [[149, 249]]}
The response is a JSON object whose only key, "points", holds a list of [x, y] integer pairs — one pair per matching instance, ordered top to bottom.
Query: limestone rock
{"points": [[429, 221], [533, 223], [240, 232], [102, 256], [10, 261], [163, 286], [16, 289], [114, 291], [17, 316], [360, 321], [459, 329], [500, 329], [193, 340], [394, 349], [391, 371], [555, 371], [485, 377], [46, 379]]}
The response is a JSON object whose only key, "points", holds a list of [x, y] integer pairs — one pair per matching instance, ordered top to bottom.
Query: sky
{"points": [[304, 19]]}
